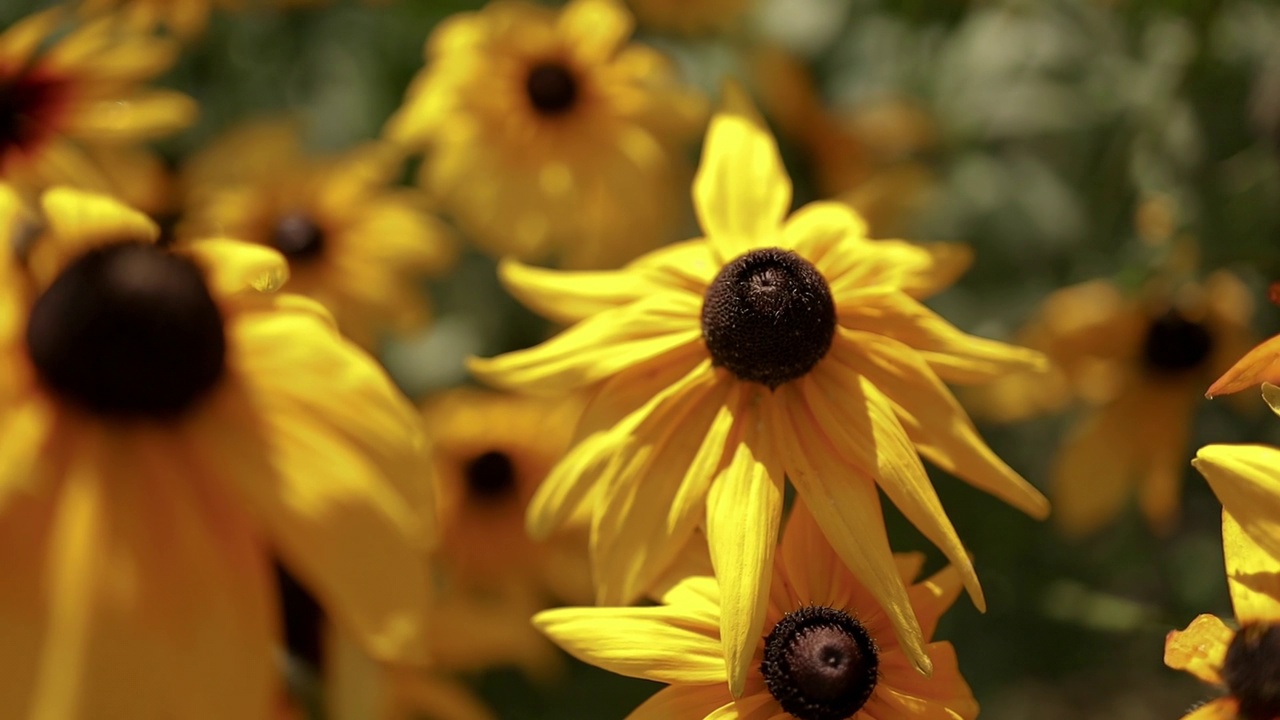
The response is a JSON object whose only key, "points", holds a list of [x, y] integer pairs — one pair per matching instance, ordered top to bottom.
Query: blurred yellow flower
{"points": [[690, 17], [186, 19], [66, 90], [546, 134], [354, 242], [773, 347], [1139, 366], [167, 427], [491, 453], [827, 650], [1246, 662]]}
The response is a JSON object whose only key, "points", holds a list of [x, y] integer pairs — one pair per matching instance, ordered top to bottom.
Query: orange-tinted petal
{"points": [[1200, 649]]}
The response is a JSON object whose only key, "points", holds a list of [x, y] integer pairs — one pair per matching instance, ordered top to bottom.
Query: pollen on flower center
{"points": [[552, 88], [25, 104], [298, 237], [768, 317], [128, 331], [1174, 344], [490, 477], [820, 664], [1252, 670]]}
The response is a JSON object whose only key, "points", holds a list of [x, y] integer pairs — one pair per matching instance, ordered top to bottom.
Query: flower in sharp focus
{"points": [[64, 96], [546, 134], [354, 242], [774, 347], [1138, 366], [168, 426], [491, 452], [827, 650], [1244, 662]]}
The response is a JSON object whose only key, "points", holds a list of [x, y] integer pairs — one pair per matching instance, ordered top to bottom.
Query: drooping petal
{"points": [[21, 39], [149, 113], [742, 191], [79, 221], [232, 266], [569, 297], [598, 347], [954, 355], [1259, 365], [934, 420], [863, 429], [1165, 435], [331, 459], [1095, 470], [1246, 479], [847, 508], [744, 509], [637, 530], [150, 566], [1253, 576], [663, 644], [1200, 649], [682, 701]]}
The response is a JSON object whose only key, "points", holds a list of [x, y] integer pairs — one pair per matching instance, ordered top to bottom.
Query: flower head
{"points": [[63, 98], [548, 134], [354, 242], [773, 347], [168, 426], [826, 652], [1244, 662]]}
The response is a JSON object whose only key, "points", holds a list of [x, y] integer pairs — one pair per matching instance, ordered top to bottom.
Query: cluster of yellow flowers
{"points": [[201, 463]]}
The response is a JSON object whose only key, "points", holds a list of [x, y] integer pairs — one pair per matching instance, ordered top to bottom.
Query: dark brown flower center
{"points": [[552, 88], [27, 104], [298, 237], [768, 317], [128, 331], [1174, 344], [490, 477], [303, 619], [820, 664], [1252, 671]]}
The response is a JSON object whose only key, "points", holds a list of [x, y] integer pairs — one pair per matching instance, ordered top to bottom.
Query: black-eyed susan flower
{"points": [[691, 17], [65, 89], [546, 133], [354, 242], [773, 347], [1138, 366], [167, 428], [491, 452], [827, 651], [1243, 662]]}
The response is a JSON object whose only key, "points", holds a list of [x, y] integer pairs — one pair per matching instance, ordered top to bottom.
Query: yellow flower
{"points": [[690, 17], [184, 18], [63, 96], [547, 134], [354, 242], [774, 347], [1139, 365], [1259, 365], [167, 427], [491, 452], [827, 649], [1244, 662]]}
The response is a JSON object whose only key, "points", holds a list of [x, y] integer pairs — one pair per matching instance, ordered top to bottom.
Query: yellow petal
{"points": [[596, 28], [20, 40], [148, 114], [741, 191], [79, 221], [819, 230], [232, 266], [919, 270], [568, 297], [598, 347], [954, 355], [1261, 364], [1271, 395], [934, 420], [331, 459], [1094, 471], [1246, 479], [744, 508], [847, 508], [25, 522], [637, 530], [811, 571], [148, 573], [1253, 576], [935, 596], [663, 644], [1200, 649], [903, 693], [682, 701], [756, 706], [1220, 709]]}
